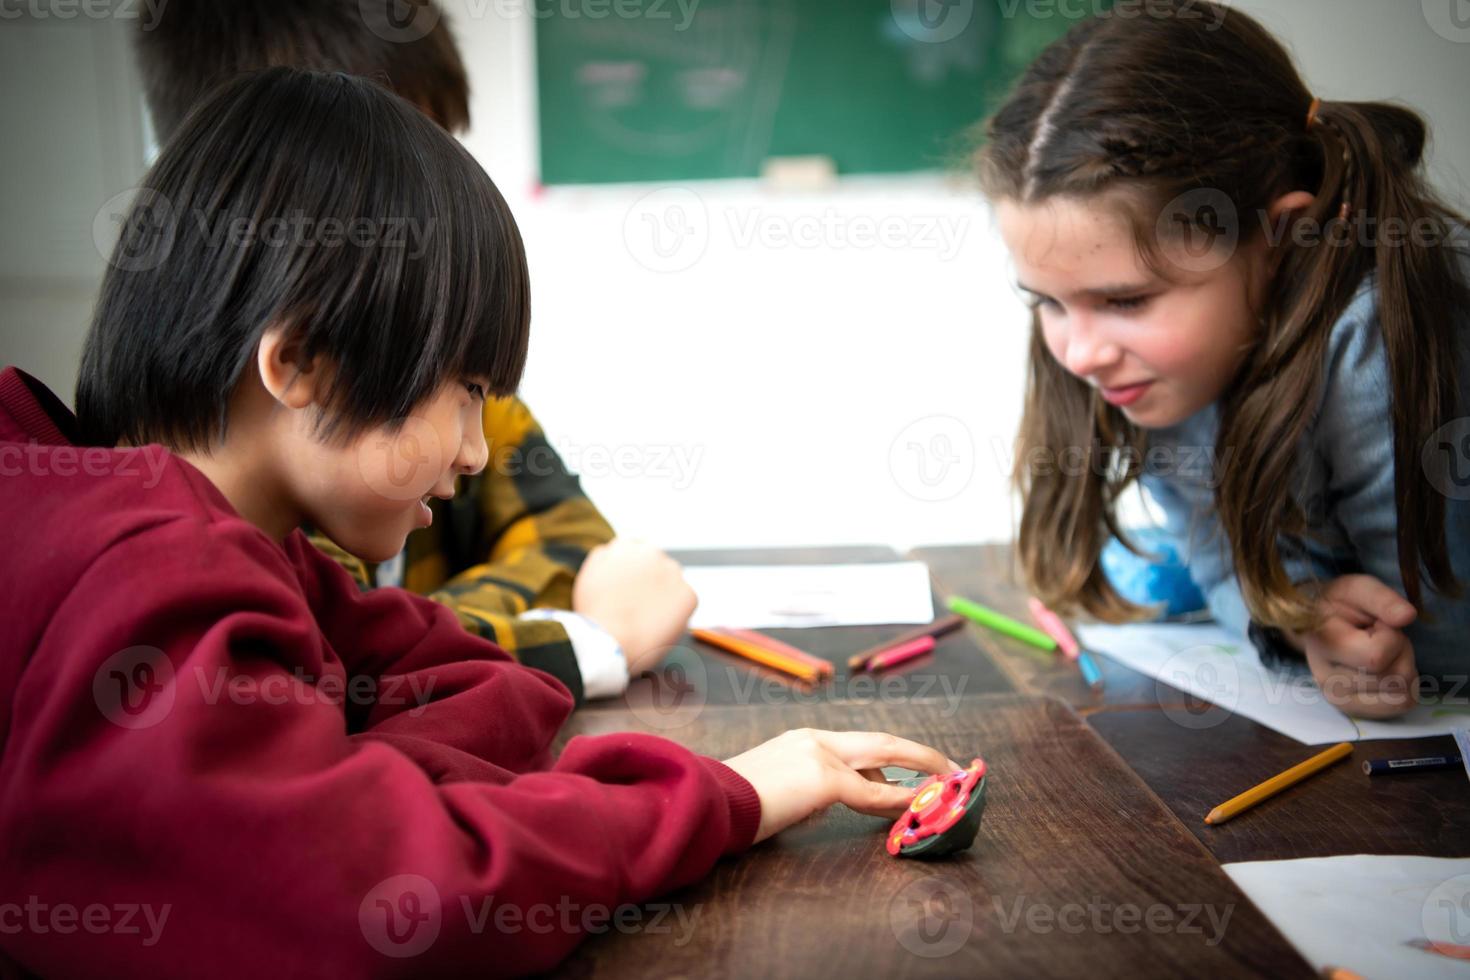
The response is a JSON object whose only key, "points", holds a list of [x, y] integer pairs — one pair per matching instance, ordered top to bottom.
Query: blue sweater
{"points": [[1346, 460]]}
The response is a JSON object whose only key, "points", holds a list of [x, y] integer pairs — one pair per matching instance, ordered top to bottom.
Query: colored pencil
{"points": [[1001, 623], [1053, 626], [940, 627], [1057, 630], [771, 643], [901, 653], [760, 654], [1091, 673], [1380, 767], [1239, 804], [1453, 951]]}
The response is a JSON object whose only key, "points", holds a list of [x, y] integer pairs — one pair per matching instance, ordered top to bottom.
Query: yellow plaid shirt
{"points": [[512, 539]]}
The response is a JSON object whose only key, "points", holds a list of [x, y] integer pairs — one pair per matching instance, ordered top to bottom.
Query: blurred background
{"points": [[769, 305]]}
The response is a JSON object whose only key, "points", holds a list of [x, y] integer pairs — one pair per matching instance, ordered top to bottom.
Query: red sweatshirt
{"points": [[219, 758]]}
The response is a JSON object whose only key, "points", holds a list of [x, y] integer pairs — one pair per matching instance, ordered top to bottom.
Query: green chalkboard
{"points": [[637, 90]]}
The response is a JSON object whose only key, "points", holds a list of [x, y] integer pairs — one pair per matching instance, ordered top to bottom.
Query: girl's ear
{"points": [[1295, 201], [1286, 207], [291, 378]]}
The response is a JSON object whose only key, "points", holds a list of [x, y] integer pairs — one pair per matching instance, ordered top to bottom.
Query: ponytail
{"points": [[1370, 189]]}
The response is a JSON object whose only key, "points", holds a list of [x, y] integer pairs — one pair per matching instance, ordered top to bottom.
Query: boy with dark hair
{"points": [[520, 554], [201, 716]]}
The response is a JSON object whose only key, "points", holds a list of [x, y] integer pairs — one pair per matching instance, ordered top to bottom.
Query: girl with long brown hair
{"points": [[1248, 299]]}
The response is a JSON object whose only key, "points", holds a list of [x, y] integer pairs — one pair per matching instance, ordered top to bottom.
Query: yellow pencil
{"points": [[1276, 784]]}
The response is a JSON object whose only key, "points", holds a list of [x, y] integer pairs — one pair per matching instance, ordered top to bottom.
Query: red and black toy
{"points": [[944, 817]]}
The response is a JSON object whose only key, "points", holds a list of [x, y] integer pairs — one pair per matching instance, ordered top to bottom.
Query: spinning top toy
{"points": [[944, 817]]}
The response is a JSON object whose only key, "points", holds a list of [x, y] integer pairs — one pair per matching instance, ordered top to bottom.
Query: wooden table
{"points": [[1194, 757], [1097, 804], [1339, 811], [1078, 869]]}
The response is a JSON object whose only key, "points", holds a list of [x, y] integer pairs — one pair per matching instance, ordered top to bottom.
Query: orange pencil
{"points": [[771, 643], [760, 654], [1453, 951]]}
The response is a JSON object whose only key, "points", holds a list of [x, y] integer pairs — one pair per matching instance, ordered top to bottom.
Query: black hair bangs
{"points": [[321, 205], [487, 327]]}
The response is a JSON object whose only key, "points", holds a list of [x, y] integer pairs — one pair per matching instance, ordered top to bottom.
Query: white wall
{"points": [[1412, 51], [72, 118], [803, 368], [789, 370]]}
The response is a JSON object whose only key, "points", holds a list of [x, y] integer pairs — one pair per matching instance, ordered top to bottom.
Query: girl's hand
{"points": [[1360, 656], [804, 771]]}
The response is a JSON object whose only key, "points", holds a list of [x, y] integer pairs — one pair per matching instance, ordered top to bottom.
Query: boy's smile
{"points": [[399, 470], [368, 493]]}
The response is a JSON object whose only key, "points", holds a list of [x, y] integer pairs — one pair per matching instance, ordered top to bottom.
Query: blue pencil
{"points": [[1090, 672]]}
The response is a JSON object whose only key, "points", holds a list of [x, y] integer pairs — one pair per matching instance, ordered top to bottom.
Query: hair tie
{"points": [[1312, 113]]}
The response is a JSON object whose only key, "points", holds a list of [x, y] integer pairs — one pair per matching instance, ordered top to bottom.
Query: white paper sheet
{"points": [[795, 596], [1225, 669], [1362, 912]]}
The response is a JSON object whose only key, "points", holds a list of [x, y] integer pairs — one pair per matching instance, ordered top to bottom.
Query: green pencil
{"points": [[1000, 623]]}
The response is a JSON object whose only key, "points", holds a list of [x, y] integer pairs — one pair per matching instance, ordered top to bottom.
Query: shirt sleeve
{"points": [[1353, 440], [1196, 535], [600, 659], [308, 780]]}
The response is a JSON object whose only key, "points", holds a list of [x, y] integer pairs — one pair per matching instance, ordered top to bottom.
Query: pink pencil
{"points": [[1051, 624], [901, 653]]}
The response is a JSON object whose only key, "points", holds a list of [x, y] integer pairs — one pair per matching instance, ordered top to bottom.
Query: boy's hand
{"points": [[638, 594], [1360, 656], [804, 771]]}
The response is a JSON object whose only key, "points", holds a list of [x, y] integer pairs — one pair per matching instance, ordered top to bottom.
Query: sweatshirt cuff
{"points": [[603, 667], [745, 805]]}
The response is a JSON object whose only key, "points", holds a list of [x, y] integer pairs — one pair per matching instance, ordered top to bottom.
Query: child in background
{"points": [[1249, 299], [520, 554], [200, 713]]}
